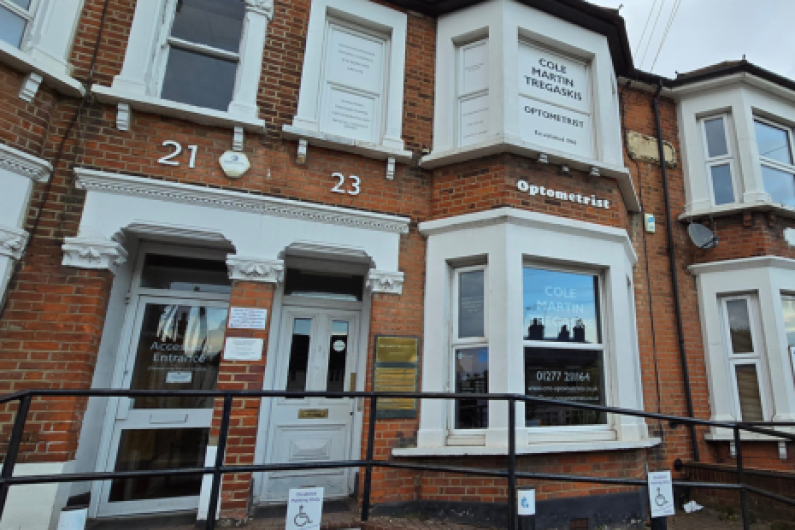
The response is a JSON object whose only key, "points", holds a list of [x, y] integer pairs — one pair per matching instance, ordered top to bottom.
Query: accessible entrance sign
{"points": [[661, 494], [304, 509]]}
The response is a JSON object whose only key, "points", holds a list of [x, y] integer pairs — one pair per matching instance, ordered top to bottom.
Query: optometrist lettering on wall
{"points": [[585, 200]]}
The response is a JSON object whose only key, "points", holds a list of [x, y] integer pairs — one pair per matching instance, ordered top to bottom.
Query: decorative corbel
{"points": [[30, 86], [123, 117], [238, 139], [301, 155], [390, 168], [12, 242], [90, 253], [386, 282]]}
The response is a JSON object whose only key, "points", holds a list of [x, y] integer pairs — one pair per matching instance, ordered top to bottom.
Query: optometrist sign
{"points": [[554, 101]]}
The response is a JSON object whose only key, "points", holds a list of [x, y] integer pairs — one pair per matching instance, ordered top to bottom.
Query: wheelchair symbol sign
{"points": [[527, 502], [304, 509]]}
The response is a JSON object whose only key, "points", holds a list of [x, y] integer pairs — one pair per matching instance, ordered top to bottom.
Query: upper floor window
{"points": [[15, 19], [203, 52], [473, 92], [775, 155], [719, 157]]}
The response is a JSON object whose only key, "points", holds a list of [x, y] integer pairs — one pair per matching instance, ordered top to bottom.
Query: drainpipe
{"points": [[672, 257]]}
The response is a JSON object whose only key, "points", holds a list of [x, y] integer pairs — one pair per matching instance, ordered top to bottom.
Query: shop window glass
{"points": [[15, 17], [204, 52], [185, 274], [471, 304], [561, 309], [472, 377]]}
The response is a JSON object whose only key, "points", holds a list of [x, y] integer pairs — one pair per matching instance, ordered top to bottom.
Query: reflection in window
{"points": [[15, 16], [203, 55], [716, 137], [773, 142], [775, 154], [719, 157], [779, 184], [722, 186], [185, 274], [317, 284], [471, 304], [788, 304], [561, 306], [739, 326], [338, 353], [299, 355], [563, 375], [472, 377], [748, 390]]}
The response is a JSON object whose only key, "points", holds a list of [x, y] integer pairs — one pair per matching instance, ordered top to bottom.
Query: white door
{"points": [[176, 345], [315, 353]]}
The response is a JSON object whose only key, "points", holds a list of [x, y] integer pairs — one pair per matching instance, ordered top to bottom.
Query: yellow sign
{"points": [[396, 350], [312, 414]]}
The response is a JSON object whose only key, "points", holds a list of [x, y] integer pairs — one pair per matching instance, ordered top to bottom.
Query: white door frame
{"points": [[126, 347]]}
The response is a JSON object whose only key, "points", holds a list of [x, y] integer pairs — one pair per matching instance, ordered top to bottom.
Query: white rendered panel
{"points": [[355, 60], [475, 68], [553, 78], [350, 114], [474, 119], [555, 127]]}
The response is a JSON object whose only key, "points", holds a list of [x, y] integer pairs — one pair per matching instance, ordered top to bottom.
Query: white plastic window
{"points": [[15, 19], [473, 92], [775, 155], [719, 158], [469, 347], [744, 356]]}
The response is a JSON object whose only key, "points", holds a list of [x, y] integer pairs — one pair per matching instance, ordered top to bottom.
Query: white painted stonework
{"points": [[351, 95], [739, 97], [485, 105], [259, 227], [505, 239], [765, 278], [385, 282], [36, 507]]}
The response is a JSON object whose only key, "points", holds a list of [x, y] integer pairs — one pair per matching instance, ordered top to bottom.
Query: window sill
{"points": [[23, 62], [182, 111], [348, 145], [519, 147], [739, 207], [724, 435], [531, 449]]}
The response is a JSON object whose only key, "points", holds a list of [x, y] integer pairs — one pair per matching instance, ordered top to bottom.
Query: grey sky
{"points": [[705, 32]]}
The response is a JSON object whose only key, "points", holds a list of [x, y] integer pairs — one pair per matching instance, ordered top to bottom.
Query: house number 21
{"points": [[177, 147], [353, 188]]}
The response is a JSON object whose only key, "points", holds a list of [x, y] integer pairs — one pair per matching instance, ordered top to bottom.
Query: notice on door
{"points": [[247, 318], [240, 349], [661, 494], [304, 509]]}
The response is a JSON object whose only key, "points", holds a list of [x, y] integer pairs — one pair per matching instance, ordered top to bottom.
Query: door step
{"points": [[143, 522]]}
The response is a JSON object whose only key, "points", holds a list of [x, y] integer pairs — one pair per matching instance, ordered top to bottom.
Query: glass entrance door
{"points": [[176, 345]]}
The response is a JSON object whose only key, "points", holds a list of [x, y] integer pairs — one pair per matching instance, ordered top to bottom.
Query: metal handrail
{"points": [[511, 474]]}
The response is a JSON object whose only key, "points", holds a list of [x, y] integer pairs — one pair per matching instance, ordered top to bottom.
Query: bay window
{"points": [[775, 155]]}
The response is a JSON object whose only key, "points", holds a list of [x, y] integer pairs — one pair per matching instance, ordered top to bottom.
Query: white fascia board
{"points": [[21, 61], [725, 82], [182, 111], [348, 145], [519, 147], [107, 182], [528, 218], [742, 264], [532, 449]]}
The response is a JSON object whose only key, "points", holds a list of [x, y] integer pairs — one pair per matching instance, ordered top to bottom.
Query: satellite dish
{"points": [[702, 237]]}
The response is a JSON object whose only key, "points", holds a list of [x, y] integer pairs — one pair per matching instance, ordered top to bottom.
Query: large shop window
{"points": [[15, 19], [203, 52], [775, 155], [720, 159], [470, 347], [563, 347], [744, 357]]}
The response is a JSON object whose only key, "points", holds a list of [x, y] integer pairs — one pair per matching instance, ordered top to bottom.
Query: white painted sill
{"points": [[24, 63], [201, 115], [348, 145], [517, 146], [739, 207], [723, 435], [532, 449]]}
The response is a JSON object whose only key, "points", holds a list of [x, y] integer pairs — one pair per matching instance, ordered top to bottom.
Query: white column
{"points": [[53, 31], [252, 43], [139, 59], [748, 153], [771, 316]]}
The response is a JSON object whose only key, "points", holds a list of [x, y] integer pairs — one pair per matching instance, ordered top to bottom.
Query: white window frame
{"points": [[365, 17], [46, 46], [140, 82], [720, 160], [776, 164], [754, 358], [600, 431], [464, 436]]}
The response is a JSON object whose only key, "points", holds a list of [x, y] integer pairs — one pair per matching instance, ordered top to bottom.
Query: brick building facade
{"points": [[248, 195]]}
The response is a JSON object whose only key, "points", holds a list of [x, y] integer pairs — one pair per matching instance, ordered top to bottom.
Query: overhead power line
{"points": [[674, 11], [645, 27], [651, 35]]}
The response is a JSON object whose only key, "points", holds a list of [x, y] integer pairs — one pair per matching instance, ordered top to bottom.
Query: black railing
{"points": [[7, 478]]}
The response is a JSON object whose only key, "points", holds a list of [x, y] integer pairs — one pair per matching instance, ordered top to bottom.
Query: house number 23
{"points": [[168, 160], [353, 187]]}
